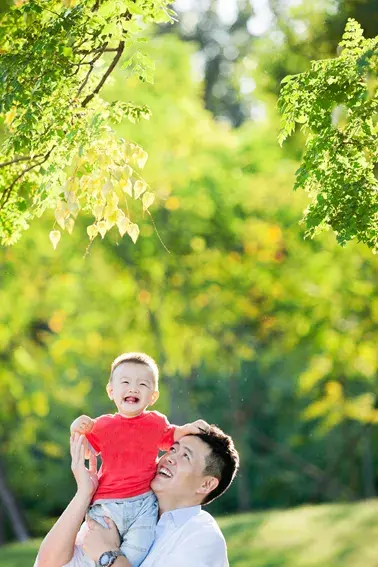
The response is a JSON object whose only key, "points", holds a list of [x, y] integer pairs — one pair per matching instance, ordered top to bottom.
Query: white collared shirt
{"points": [[187, 537]]}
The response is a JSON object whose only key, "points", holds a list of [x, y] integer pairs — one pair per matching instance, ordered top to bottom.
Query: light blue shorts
{"points": [[135, 519]]}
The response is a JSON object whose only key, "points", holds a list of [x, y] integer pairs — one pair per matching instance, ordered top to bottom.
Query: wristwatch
{"points": [[107, 559]]}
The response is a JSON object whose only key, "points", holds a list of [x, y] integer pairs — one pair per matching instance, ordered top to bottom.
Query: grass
{"points": [[335, 535]]}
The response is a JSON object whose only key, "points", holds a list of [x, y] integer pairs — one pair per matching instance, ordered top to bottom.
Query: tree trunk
{"points": [[367, 465], [10, 506]]}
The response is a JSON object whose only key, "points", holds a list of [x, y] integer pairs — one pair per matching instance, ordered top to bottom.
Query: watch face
{"points": [[104, 559]]}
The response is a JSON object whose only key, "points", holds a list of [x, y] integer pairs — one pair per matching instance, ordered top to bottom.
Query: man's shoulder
{"points": [[203, 521]]}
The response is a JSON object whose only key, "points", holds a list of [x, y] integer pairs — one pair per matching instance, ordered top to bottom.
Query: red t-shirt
{"points": [[129, 449]]}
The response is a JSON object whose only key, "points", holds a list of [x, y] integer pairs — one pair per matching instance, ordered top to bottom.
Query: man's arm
{"points": [[99, 539], [58, 546]]}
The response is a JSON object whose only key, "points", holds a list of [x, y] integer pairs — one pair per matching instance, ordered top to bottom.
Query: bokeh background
{"points": [[268, 335]]}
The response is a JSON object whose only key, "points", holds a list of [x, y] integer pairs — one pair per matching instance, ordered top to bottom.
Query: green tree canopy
{"points": [[336, 105], [59, 151]]}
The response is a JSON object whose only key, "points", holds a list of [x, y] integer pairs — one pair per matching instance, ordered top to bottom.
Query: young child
{"points": [[129, 442]]}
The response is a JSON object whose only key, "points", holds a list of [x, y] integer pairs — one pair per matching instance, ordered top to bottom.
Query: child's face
{"points": [[132, 388]]}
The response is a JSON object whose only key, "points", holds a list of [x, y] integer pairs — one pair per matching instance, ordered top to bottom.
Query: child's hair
{"points": [[137, 358]]}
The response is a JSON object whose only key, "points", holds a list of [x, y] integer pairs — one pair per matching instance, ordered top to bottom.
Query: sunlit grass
{"points": [[336, 535]]}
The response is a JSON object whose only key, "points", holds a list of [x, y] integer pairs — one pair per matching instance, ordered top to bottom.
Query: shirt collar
{"points": [[182, 515]]}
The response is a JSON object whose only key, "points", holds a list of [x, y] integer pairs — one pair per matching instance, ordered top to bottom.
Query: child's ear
{"points": [[109, 389], [155, 397]]}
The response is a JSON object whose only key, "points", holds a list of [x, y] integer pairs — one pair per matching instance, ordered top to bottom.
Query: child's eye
{"points": [[125, 381], [143, 384]]}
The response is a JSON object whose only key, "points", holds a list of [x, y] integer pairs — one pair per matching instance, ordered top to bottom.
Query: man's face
{"points": [[132, 388], [180, 472]]}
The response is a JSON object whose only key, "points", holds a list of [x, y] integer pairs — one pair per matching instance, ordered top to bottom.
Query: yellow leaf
{"points": [[10, 115], [142, 158], [127, 172], [107, 187], [127, 187], [139, 188], [112, 199], [147, 200], [98, 211], [60, 216], [123, 224], [69, 225], [102, 229], [92, 231], [133, 231], [54, 237]]}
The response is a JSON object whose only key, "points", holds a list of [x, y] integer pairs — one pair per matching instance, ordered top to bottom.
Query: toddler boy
{"points": [[129, 442]]}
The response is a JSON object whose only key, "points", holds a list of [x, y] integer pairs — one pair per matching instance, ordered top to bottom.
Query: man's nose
{"points": [[170, 459]]}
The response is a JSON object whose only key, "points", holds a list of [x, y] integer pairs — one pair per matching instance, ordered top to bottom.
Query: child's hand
{"points": [[82, 424], [199, 426]]}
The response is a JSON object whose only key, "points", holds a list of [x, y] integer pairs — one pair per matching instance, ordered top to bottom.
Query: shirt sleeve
{"points": [[99, 429], [167, 437], [198, 550]]}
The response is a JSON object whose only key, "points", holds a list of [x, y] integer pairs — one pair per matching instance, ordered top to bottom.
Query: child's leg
{"points": [[140, 516]]}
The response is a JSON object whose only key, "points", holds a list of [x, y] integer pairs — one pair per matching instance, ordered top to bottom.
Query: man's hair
{"points": [[137, 358], [222, 462]]}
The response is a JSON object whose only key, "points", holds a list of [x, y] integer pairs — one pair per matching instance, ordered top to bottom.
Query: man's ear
{"points": [[109, 389], [155, 397], [209, 484]]}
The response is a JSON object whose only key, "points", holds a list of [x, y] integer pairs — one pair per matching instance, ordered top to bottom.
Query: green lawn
{"points": [[339, 535]]}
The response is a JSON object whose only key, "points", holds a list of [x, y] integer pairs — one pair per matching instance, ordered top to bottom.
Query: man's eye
{"points": [[172, 450], [186, 456]]}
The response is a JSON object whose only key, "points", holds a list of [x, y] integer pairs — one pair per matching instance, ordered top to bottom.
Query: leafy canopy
{"points": [[336, 103], [59, 151]]}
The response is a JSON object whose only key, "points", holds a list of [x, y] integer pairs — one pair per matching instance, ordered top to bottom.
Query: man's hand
{"points": [[82, 425], [199, 426], [86, 479], [98, 539]]}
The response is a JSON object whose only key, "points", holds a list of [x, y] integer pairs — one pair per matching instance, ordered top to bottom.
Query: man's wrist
{"points": [[84, 498], [108, 558]]}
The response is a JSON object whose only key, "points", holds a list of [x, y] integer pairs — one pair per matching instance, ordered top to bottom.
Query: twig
{"points": [[89, 52], [113, 64], [90, 70], [21, 158], [8, 191]]}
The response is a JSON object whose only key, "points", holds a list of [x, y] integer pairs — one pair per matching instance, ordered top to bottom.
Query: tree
{"points": [[336, 104], [59, 150]]}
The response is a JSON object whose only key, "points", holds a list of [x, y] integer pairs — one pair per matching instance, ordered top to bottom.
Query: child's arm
{"points": [[83, 425], [199, 426]]}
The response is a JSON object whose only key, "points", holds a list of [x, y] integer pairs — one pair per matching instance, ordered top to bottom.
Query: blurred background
{"points": [[270, 336]]}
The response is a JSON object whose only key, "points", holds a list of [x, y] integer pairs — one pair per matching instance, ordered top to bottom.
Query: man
{"points": [[196, 470]]}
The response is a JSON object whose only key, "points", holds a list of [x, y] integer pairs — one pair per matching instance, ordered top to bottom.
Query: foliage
{"points": [[336, 105], [59, 150], [253, 327], [342, 535]]}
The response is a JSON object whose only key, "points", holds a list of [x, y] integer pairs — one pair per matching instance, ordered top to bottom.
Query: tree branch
{"points": [[111, 67], [90, 70], [17, 159], [4, 199]]}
